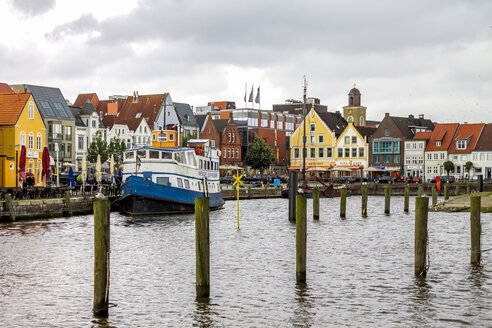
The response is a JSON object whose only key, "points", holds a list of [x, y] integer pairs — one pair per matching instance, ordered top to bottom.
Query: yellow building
{"points": [[20, 124], [322, 129]]}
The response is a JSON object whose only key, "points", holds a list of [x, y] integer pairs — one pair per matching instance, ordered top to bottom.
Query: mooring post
{"points": [[293, 183], [480, 183], [468, 188], [458, 190], [266, 191], [446, 191], [249, 192], [420, 192], [365, 193], [434, 195], [387, 199], [406, 201], [66, 202], [343, 202], [316, 203], [10, 206], [101, 207], [421, 213], [476, 229], [301, 238], [202, 243]]}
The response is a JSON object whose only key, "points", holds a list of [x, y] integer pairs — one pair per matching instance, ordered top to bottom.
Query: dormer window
{"points": [[138, 115], [438, 143], [461, 144]]}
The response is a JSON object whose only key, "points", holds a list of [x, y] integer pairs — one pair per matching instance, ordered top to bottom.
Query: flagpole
{"points": [[245, 94], [253, 96]]}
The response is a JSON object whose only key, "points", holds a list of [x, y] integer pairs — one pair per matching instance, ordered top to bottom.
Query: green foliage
{"points": [[188, 137], [98, 147], [116, 148], [259, 155], [448, 166], [468, 166]]}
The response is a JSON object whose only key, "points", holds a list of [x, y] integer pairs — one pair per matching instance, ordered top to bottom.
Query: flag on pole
{"points": [[245, 92], [251, 95], [257, 99], [139, 161]]}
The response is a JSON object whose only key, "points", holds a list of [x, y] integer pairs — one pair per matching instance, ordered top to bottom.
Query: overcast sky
{"points": [[406, 57]]}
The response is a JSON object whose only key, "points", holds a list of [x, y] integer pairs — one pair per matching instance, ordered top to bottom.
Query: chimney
{"points": [[386, 114], [410, 116], [421, 116]]}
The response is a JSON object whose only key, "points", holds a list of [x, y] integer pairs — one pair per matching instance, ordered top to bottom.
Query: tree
{"points": [[188, 137], [98, 147], [116, 148], [259, 155], [448, 166], [468, 166]]}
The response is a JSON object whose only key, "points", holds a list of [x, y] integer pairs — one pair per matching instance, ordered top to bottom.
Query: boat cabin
{"points": [[165, 138]]}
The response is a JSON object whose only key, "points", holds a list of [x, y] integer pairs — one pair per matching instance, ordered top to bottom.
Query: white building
{"points": [[414, 160]]}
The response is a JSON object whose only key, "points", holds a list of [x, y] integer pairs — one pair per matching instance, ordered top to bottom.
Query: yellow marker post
{"points": [[236, 183]]}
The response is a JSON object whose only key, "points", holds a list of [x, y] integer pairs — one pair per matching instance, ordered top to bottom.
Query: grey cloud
{"points": [[31, 8], [86, 23]]}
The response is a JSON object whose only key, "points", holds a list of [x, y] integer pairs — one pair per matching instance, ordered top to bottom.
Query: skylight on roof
{"points": [[47, 108], [61, 110], [138, 115]]}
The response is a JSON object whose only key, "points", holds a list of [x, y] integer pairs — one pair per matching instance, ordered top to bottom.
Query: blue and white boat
{"points": [[159, 180]]}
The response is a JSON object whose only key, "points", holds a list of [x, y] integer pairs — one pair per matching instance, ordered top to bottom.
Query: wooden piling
{"points": [[293, 183], [468, 189], [458, 190], [266, 191], [446, 191], [420, 192], [365, 193], [250, 195], [434, 195], [387, 199], [406, 201], [343, 202], [316, 203], [10, 206], [101, 207], [67, 211], [421, 214], [476, 229], [301, 238], [202, 243]]}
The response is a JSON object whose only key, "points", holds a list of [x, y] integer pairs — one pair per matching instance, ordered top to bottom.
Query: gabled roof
{"points": [[5, 88], [84, 97], [50, 101], [11, 105], [147, 106], [87, 109], [76, 113], [185, 114], [200, 120], [334, 121], [405, 124], [220, 125], [365, 131], [470, 132], [443, 133], [422, 135], [485, 140]]}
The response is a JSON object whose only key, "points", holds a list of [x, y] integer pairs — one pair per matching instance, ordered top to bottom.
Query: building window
{"points": [[31, 111], [350, 119], [361, 121], [93, 123], [312, 127], [386, 132], [68, 133], [229, 137], [22, 138], [320, 138], [312, 139], [347, 140], [354, 140], [31, 141], [39, 142], [81, 143], [438, 143], [461, 144], [69, 150], [229, 152], [296, 152], [312, 152], [320, 152], [328, 152], [340, 152], [347, 152], [354, 152], [361, 152], [225, 153], [237, 153], [442, 155], [429, 156], [436, 156], [376, 159], [386, 159], [396, 159], [429, 169], [458, 169], [435, 170]]}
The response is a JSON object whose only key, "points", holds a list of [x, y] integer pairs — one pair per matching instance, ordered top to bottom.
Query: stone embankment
{"points": [[462, 203]]}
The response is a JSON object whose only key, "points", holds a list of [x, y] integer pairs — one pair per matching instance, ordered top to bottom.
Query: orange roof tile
{"points": [[5, 88], [83, 97], [11, 105], [147, 105], [467, 131], [443, 133], [422, 135], [485, 140]]}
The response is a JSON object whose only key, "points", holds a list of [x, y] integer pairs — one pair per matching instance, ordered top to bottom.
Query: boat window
{"points": [[141, 153], [154, 154], [130, 155], [166, 155], [180, 158], [190, 158], [201, 164], [163, 181], [180, 182], [187, 184], [199, 186]]}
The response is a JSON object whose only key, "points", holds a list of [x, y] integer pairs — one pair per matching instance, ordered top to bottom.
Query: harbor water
{"points": [[360, 271]]}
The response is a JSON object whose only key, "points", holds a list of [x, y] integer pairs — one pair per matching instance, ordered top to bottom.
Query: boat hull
{"points": [[141, 196]]}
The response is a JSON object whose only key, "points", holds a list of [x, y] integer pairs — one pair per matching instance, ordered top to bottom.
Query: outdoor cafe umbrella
{"points": [[22, 164], [46, 164], [111, 167], [84, 168], [98, 168], [71, 183]]}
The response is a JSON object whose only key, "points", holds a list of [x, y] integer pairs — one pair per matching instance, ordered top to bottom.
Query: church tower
{"points": [[354, 112]]}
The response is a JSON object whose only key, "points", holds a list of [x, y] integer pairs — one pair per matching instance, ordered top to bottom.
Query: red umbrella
{"points": [[22, 164], [46, 164]]}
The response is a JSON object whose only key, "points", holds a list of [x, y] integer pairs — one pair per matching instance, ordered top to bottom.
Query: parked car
{"points": [[385, 179], [227, 180]]}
